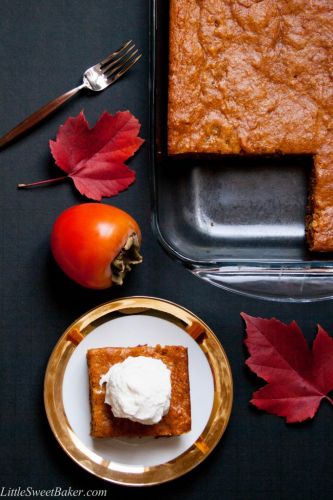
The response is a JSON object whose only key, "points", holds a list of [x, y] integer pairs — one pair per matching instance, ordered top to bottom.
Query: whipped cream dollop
{"points": [[138, 388]]}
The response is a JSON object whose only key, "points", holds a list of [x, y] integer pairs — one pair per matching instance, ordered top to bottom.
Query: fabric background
{"points": [[45, 46]]}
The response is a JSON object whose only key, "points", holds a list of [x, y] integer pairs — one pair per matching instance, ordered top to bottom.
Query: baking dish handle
{"points": [[280, 283]]}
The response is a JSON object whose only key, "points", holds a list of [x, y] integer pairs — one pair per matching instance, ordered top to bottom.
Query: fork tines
{"points": [[120, 61]]}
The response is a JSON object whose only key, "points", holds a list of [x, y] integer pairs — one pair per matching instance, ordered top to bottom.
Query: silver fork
{"points": [[96, 78]]}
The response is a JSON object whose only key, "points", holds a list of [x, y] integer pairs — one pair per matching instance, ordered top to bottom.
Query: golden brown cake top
{"points": [[251, 76], [177, 421]]}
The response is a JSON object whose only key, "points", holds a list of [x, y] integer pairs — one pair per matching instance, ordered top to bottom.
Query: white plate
{"points": [[124, 323], [132, 331]]}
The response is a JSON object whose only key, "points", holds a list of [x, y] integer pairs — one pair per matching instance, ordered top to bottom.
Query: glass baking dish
{"points": [[236, 222]]}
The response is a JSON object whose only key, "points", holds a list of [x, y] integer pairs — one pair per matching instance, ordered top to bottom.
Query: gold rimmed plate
{"points": [[129, 322]]}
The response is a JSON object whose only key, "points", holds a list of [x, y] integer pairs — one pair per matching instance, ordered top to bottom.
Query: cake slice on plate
{"points": [[104, 423]]}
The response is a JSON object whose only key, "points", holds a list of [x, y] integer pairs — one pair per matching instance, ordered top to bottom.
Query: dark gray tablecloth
{"points": [[45, 46]]}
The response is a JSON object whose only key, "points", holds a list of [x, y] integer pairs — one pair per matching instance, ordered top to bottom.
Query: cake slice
{"points": [[177, 421]]}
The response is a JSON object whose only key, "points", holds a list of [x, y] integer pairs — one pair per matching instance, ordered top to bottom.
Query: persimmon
{"points": [[96, 244]]}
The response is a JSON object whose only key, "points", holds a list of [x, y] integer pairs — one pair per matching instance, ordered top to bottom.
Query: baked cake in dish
{"points": [[255, 77], [178, 419]]}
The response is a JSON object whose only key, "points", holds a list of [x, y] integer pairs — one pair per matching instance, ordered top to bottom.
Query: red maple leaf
{"points": [[94, 157], [297, 378]]}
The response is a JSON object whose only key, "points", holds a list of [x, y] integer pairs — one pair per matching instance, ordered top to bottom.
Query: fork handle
{"points": [[38, 116]]}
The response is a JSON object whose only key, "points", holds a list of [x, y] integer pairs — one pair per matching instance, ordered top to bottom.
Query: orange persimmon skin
{"points": [[87, 238]]}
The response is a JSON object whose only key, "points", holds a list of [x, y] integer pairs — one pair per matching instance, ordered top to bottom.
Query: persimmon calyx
{"points": [[128, 256]]}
